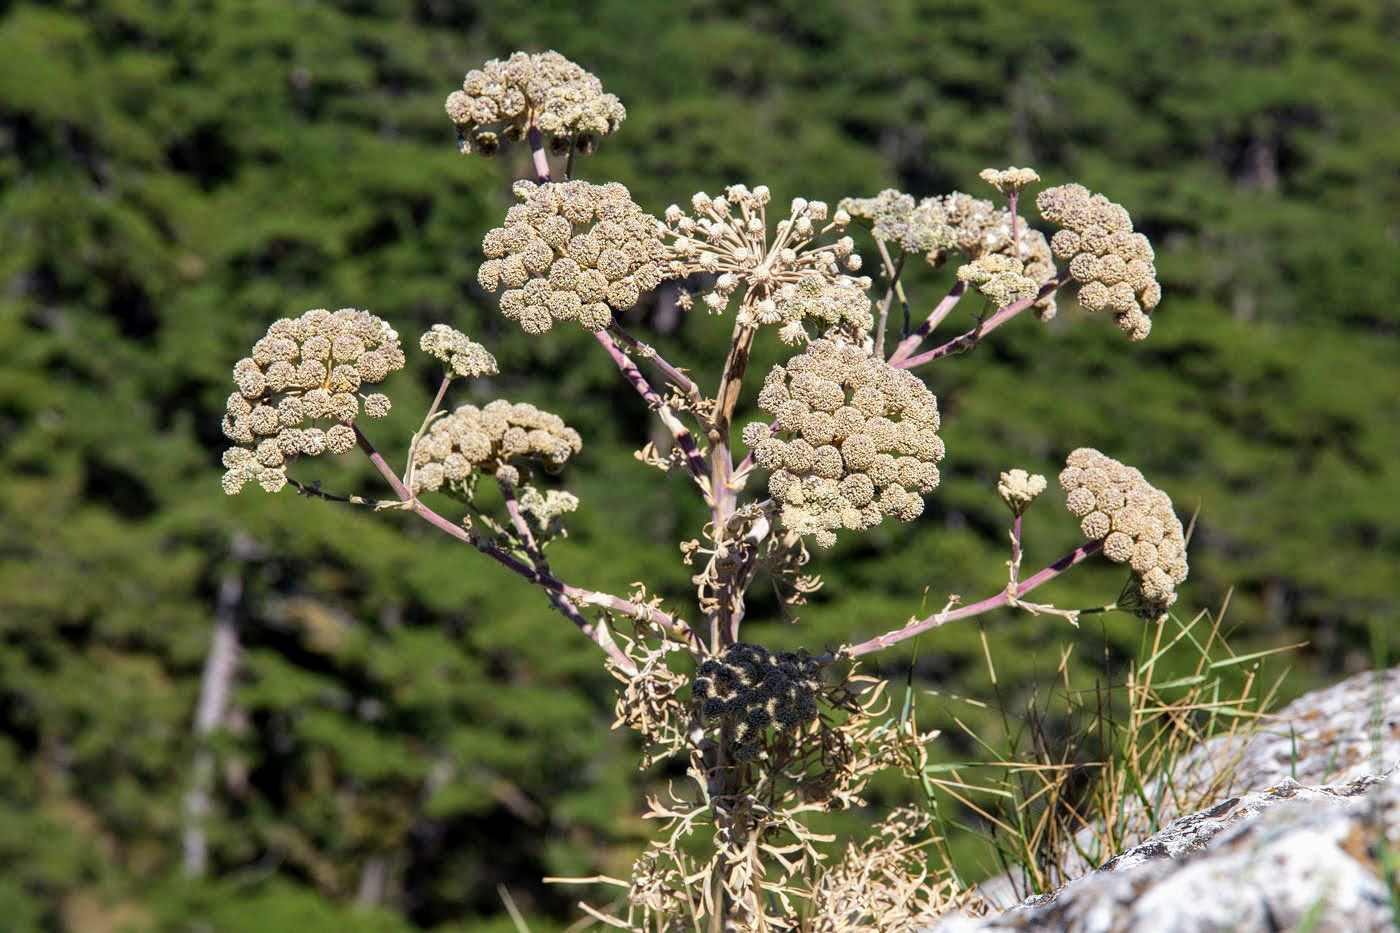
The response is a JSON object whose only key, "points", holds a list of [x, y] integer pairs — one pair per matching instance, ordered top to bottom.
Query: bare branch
{"points": [[970, 339], [1006, 597], [645, 614]]}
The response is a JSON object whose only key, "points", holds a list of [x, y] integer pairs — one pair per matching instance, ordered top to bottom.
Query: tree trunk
{"points": [[220, 667]]}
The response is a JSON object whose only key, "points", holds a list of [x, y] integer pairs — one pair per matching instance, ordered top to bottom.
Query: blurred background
{"points": [[409, 728]]}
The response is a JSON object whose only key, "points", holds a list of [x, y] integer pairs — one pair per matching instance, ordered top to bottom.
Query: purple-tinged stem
{"points": [[537, 153], [1013, 197], [892, 270], [945, 307], [970, 339], [647, 352], [694, 460], [411, 467], [522, 527], [1015, 548], [1004, 598], [566, 608], [676, 627]]}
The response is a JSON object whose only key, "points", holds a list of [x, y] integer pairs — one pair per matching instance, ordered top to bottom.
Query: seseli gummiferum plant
{"points": [[850, 439]]}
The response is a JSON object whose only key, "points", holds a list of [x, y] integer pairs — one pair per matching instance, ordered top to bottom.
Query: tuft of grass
{"points": [[1080, 774]]}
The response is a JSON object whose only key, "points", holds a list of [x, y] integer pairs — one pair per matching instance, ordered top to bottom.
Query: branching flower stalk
{"points": [[849, 439]]}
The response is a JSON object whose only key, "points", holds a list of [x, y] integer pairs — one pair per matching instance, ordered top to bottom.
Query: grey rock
{"points": [[1302, 849]]}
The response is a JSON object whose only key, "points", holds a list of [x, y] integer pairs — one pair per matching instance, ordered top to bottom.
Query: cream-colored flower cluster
{"points": [[502, 100], [1009, 181], [895, 217], [937, 227], [572, 251], [1113, 263], [1001, 278], [785, 281], [462, 356], [304, 371], [489, 439], [857, 440], [1018, 489], [546, 510], [1136, 520], [748, 689]]}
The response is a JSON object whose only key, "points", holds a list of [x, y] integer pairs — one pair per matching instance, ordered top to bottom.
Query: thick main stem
{"points": [[721, 473], [1004, 598]]}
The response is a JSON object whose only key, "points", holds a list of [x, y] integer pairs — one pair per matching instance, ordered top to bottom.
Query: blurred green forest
{"points": [[410, 727]]}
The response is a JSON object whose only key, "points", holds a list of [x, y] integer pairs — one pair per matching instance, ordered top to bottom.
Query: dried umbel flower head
{"points": [[503, 100], [1009, 181], [894, 217], [937, 227], [572, 251], [1113, 263], [999, 277], [786, 280], [462, 356], [300, 391], [498, 438], [857, 441], [1018, 489], [1135, 519], [747, 690], [884, 883]]}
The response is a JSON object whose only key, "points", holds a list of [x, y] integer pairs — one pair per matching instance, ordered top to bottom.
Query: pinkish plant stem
{"points": [[537, 154], [1013, 197], [892, 271], [945, 307], [970, 339], [647, 352], [694, 460], [411, 467], [522, 528], [1015, 549], [1004, 598], [677, 627]]}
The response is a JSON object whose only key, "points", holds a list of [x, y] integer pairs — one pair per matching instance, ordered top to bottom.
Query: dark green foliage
{"points": [[174, 176]]}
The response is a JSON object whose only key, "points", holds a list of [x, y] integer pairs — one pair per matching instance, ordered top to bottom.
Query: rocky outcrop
{"points": [[1313, 843]]}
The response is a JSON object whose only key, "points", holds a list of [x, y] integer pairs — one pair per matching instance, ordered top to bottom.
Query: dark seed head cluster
{"points": [[502, 101], [572, 251], [1112, 263], [300, 390], [497, 438], [857, 441], [1136, 520], [748, 689]]}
